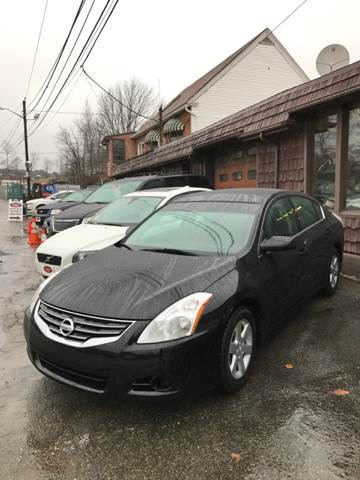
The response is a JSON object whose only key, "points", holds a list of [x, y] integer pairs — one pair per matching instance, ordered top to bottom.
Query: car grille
{"points": [[60, 225], [50, 259], [85, 327], [71, 377]]}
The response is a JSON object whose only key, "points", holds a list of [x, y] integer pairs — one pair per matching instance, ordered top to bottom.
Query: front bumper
{"points": [[124, 368]]}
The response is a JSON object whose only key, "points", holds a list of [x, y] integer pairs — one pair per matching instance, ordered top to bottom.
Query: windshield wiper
{"points": [[119, 244], [175, 251]]}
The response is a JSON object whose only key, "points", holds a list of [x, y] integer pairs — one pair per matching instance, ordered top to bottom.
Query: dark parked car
{"points": [[113, 190], [72, 200], [182, 302]]}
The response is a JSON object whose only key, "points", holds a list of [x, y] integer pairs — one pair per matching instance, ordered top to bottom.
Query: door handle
{"points": [[305, 246]]}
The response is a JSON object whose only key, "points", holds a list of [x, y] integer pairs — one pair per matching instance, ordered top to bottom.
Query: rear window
{"points": [[113, 190]]}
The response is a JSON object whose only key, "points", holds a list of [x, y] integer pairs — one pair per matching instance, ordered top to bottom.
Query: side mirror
{"points": [[277, 244]]}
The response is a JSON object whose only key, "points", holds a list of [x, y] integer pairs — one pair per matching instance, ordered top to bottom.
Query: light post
{"points": [[27, 161]]}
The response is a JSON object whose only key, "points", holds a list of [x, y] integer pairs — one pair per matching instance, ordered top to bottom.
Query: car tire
{"points": [[332, 274], [237, 351]]}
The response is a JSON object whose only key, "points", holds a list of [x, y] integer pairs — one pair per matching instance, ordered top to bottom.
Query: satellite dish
{"points": [[332, 58]]}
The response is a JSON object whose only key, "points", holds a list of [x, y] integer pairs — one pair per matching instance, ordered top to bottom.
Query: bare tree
{"points": [[136, 95], [7, 149], [71, 154], [34, 160], [15, 163], [47, 165]]}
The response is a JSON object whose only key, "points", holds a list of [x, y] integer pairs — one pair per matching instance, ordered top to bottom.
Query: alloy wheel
{"points": [[334, 271], [240, 348]]}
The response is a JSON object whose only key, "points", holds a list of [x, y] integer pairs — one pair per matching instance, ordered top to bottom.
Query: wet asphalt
{"points": [[287, 423]]}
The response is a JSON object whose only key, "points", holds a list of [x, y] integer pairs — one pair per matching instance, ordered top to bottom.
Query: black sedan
{"points": [[182, 302]]}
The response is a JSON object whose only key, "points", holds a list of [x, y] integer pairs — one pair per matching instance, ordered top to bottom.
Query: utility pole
{"points": [[27, 161]]}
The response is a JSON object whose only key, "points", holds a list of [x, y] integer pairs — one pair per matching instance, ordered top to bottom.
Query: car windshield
{"points": [[112, 191], [78, 196], [127, 211], [208, 228]]}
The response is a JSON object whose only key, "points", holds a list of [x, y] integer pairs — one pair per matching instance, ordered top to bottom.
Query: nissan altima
{"points": [[182, 302]]}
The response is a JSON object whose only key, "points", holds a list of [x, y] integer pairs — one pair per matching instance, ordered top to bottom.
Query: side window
{"points": [[157, 183], [307, 211], [280, 220]]}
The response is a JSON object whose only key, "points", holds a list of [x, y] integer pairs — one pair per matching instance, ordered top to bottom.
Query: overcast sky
{"points": [[174, 42]]}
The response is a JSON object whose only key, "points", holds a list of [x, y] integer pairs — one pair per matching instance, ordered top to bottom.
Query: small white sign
{"points": [[15, 213]]}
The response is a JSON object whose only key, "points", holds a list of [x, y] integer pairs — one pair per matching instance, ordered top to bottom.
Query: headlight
{"points": [[55, 211], [86, 220], [81, 255], [35, 297], [177, 321]]}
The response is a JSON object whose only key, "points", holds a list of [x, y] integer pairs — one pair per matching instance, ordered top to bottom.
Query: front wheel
{"points": [[333, 274], [237, 351]]}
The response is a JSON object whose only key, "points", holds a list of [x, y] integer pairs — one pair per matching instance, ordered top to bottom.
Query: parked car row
{"points": [[170, 291]]}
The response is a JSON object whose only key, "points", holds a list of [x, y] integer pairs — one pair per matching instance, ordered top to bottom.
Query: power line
{"points": [[290, 15], [89, 39], [37, 47], [69, 55], [51, 73], [116, 99]]}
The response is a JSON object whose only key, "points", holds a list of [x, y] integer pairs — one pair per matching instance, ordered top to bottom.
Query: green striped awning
{"points": [[173, 125], [152, 137]]}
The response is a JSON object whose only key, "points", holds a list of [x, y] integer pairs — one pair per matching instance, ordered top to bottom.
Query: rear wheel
{"points": [[333, 274], [237, 351]]}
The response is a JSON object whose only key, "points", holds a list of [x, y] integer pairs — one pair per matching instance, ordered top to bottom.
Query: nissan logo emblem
{"points": [[67, 327]]}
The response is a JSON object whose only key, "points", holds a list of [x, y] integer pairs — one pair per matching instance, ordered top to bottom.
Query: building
{"points": [[259, 69], [306, 138]]}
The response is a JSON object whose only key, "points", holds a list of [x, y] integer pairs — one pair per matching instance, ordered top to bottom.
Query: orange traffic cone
{"points": [[29, 225], [43, 236], [33, 237]]}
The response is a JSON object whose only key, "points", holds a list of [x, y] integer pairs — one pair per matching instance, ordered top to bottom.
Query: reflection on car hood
{"points": [[62, 205], [80, 211], [82, 237], [137, 285]]}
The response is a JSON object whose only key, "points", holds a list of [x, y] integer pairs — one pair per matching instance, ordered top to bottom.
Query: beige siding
{"points": [[262, 73]]}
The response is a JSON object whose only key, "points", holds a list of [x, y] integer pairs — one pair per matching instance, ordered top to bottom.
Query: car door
{"points": [[314, 241], [280, 271]]}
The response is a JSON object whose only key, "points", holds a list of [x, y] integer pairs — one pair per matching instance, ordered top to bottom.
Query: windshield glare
{"points": [[112, 191], [78, 196], [127, 211], [210, 228]]}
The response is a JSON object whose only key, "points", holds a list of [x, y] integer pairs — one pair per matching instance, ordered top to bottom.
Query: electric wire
{"points": [[89, 39], [37, 47], [69, 55], [56, 63], [116, 99]]}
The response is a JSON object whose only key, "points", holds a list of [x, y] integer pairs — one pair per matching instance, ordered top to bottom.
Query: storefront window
{"points": [[353, 162], [237, 176], [224, 177], [323, 187]]}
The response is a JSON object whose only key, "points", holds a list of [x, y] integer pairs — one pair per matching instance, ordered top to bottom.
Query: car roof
{"points": [[167, 192], [241, 195]]}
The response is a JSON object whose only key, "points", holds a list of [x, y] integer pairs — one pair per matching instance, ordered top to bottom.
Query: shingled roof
{"points": [[185, 97], [267, 115]]}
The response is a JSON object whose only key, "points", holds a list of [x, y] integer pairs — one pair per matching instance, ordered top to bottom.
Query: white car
{"points": [[32, 205], [105, 228]]}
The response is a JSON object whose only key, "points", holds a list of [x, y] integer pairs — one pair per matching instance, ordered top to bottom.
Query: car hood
{"points": [[62, 205], [80, 211], [82, 237], [137, 285]]}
